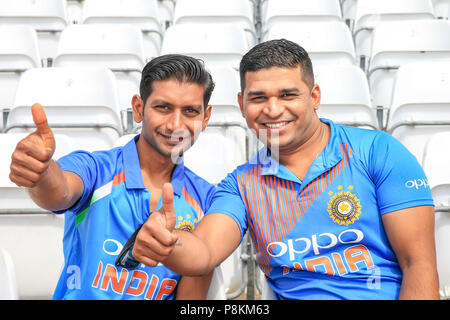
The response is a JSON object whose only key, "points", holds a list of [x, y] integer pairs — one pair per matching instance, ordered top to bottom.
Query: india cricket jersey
{"points": [[114, 204], [323, 237]]}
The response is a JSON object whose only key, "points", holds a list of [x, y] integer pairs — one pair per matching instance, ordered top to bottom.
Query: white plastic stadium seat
{"points": [[441, 8], [349, 9], [165, 11], [275, 11], [237, 12], [370, 13], [143, 14], [47, 17], [327, 42], [397, 43], [218, 44], [117, 47], [19, 51], [345, 95], [79, 102], [420, 104], [225, 107], [216, 153], [435, 164], [14, 199], [29, 234], [34, 240], [232, 270], [8, 280], [217, 288]]}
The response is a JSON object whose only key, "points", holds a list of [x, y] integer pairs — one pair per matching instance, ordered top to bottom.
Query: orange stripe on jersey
{"points": [[118, 178], [189, 199], [273, 207]]}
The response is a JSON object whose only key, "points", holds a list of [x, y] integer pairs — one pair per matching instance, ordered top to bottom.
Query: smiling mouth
{"points": [[276, 125], [172, 139]]}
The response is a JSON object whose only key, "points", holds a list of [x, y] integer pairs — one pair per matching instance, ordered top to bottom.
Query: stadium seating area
{"points": [[382, 65]]}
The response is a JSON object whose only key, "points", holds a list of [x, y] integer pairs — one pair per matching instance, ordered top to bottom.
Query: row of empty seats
{"points": [[119, 48]]}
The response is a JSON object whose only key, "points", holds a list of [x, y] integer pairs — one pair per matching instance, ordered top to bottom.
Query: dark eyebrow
{"points": [[290, 90], [255, 93], [158, 102]]}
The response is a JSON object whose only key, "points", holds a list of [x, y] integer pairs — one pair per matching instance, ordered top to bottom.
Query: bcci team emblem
{"points": [[344, 207], [186, 223]]}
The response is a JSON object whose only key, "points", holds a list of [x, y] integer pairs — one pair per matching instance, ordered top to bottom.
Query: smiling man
{"points": [[107, 195], [327, 206]]}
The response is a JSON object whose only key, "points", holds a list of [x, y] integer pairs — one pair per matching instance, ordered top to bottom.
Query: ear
{"points": [[315, 96], [241, 103], [138, 108], [208, 111]]}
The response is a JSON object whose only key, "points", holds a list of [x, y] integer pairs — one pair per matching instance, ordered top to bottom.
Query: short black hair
{"points": [[277, 53], [180, 67]]}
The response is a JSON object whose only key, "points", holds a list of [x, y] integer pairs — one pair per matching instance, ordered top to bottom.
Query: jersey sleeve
{"points": [[84, 165], [399, 179], [227, 200]]}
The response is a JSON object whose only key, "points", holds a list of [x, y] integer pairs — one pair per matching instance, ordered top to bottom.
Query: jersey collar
{"points": [[328, 158], [133, 175]]}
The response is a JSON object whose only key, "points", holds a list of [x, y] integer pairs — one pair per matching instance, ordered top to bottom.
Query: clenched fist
{"points": [[31, 158]]}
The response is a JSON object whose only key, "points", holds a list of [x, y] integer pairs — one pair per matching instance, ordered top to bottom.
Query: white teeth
{"points": [[275, 125]]}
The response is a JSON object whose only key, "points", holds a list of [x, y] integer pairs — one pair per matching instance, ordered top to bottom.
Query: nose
{"points": [[273, 109], [174, 122]]}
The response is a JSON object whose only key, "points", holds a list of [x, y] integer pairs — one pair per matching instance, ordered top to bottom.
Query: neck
{"points": [[299, 160], [156, 168]]}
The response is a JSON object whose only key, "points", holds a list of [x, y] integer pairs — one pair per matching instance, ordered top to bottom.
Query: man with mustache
{"points": [[107, 195], [334, 212]]}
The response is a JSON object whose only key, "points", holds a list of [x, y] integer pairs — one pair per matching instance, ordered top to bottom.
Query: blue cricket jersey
{"points": [[114, 204], [323, 237]]}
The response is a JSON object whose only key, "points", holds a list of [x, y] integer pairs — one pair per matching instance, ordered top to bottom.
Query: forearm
{"points": [[53, 191], [191, 256], [419, 282], [194, 288]]}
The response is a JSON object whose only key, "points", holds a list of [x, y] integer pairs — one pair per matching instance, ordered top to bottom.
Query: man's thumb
{"points": [[43, 129], [167, 206]]}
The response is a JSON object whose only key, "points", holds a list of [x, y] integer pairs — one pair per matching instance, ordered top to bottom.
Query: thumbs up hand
{"points": [[31, 158], [156, 241]]}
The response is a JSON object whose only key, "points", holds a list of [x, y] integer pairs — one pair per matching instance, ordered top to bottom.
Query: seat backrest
{"points": [[441, 8], [300, 10], [214, 11], [142, 13], [370, 13], [48, 15], [327, 42], [399, 42], [215, 43], [114, 46], [19, 49], [421, 93], [345, 95], [76, 98], [225, 107], [216, 153], [435, 164], [8, 287]]}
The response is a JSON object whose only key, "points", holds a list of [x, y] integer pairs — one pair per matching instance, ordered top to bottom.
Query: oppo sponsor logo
{"points": [[417, 184], [316, 243]]}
